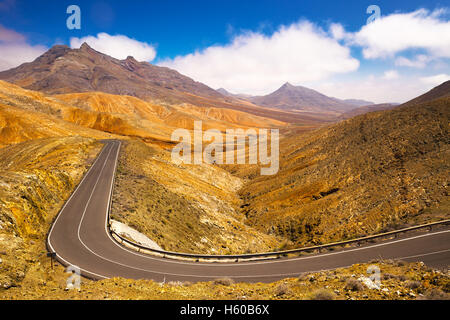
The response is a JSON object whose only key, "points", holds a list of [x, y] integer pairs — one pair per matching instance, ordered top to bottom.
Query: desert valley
{"points": [[348, 168]]}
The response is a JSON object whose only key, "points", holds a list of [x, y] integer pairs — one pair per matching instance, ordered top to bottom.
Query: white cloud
{"points": [[337, 31], [394, 33], [117, 46], [15, 50], [419, 61], [257, 64], [390, 74], [435, 79], [379, 89]]}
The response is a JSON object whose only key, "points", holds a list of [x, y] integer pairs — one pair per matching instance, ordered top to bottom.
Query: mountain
{"points": [[62, 70], [65, 70], [442, 90], [238, 96], [290, 97], [357, 102], [369, 108], [27, 114], [371, 173]]}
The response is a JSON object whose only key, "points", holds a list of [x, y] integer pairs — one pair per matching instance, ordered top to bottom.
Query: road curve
{"points": [[79, 237]]}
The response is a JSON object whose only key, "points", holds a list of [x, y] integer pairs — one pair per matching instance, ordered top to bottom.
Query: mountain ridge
{"points": [[62, 70], [65, 70], [300, 98]]}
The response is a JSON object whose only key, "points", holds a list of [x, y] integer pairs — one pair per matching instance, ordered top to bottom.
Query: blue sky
{"points": [[250, 46]]}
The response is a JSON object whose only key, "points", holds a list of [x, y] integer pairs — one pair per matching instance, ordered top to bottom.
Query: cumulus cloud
{"points": [[394, 33], [117, 46], [15, 50], [419, 61], [257, 64], [390, 74], [435, 79], [376, 88]]}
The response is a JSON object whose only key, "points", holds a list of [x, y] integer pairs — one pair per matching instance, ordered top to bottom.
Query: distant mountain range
{"points": [[64, 70], [298, 98], [370, 108]]}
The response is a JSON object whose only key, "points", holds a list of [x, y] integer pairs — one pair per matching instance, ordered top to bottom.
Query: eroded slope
{"points": [[364, 175]]}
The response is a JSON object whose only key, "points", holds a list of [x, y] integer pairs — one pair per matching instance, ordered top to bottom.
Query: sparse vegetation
{"points": [[375, 172], [31, 196], [192, 209], [39, 281], [224, 281], [353, 285], [282, 289], [323, 294]]}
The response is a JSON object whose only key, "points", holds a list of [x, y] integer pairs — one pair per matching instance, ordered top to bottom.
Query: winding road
{"points": [[80, 237]]}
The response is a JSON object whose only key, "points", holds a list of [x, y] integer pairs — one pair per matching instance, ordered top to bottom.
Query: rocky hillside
{"points": [[63, 70], [442, 90], [366, 109], [27, 114], [364, 175], [31, 196], [192, 208]]}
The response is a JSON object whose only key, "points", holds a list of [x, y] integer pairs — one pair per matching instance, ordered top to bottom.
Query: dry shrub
{"points": [[304, 276], [224, 281], [413, 284], [353, 285], [282, 290], [323, 294], [436, 294]]}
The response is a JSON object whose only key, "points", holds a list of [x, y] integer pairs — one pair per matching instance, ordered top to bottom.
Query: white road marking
{"points": [[214, 265]]}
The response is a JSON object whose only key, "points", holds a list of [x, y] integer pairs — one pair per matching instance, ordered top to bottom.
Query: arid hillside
{"points": [[62, 70], [27, 114], [163, 116], [364, 175], [36, 177], [184, 208]]}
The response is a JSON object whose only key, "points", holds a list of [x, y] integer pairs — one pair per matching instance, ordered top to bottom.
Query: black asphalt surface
{"points": [[80, 237]]}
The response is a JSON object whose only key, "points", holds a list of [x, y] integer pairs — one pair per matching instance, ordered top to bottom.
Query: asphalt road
{"points": [[80, 237]]}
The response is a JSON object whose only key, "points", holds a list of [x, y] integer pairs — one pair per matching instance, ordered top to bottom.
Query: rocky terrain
{"points": [[63, 70], [366, 109], [368, 174], [31, 196], [193, 208], [398, 281]]}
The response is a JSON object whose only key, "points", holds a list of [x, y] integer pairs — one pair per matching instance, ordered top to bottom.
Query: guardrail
{"points": [[265, 255], [252, 256]]}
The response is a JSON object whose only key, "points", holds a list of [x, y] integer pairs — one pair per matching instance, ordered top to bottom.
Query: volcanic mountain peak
{"points": [[85, 47], [65, 70], [288, 85], [292, 97]]}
